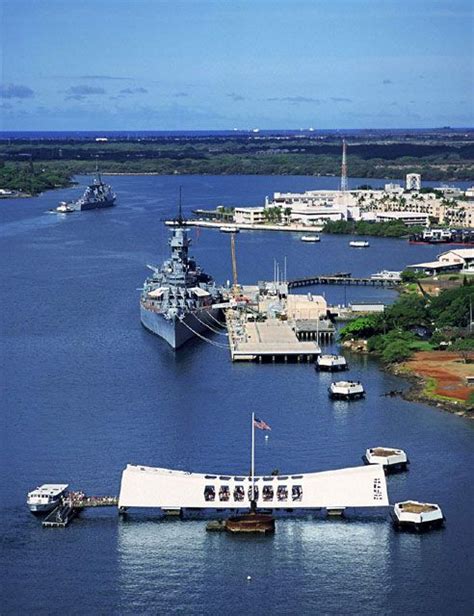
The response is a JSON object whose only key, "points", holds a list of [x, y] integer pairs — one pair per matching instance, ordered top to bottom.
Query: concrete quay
{"points": [[294, 228], [270, 340]]}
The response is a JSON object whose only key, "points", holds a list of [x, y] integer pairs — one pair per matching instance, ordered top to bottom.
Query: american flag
{"points": [[260, 424]]}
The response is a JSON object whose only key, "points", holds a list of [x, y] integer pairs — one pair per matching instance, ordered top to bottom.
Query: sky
{"points": [[224, 64]]}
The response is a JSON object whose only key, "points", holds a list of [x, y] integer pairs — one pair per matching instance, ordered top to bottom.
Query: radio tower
{"points": [[344, 168]]}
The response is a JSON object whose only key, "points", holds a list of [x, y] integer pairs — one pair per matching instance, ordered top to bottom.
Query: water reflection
{"points": [[338, 561]]}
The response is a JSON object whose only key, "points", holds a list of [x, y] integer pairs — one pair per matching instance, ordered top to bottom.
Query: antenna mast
{"points": [[344, 168], [180, 219]]}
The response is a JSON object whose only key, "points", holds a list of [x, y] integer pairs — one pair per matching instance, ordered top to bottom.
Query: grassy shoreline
{"points": [[423, 389]]}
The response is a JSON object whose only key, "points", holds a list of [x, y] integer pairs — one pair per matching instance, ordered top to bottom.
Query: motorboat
{"points": [[63, 208], [229, 229], [310, 238], [359, 244], [387, 275], [346, 390], [390, 458], [46, 497]]}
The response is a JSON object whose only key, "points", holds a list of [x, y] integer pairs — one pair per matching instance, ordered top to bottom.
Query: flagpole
{"points": [[252, 464]]}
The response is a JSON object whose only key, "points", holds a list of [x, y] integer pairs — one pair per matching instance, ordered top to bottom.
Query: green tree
{"points": [[396, 351]]}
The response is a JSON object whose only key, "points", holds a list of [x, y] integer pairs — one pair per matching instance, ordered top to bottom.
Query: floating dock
{"points": [[72, 504]]}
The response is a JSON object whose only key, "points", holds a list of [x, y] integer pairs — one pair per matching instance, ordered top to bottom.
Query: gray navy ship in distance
{"points": [[97, 195], [178, 302]]}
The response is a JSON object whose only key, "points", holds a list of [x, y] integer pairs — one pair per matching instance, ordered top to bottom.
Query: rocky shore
{"points": [[437, 378]]}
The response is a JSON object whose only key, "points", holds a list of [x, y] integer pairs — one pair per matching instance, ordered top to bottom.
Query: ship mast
{"points": [[97, 173], [180, 219]]}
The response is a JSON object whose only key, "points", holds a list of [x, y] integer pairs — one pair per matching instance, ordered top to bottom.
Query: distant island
{"points": [[33, 165]]}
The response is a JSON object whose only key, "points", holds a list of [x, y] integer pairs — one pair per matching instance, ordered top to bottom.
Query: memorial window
{"points": [[209, 493], [224, 493], [239, 493], [267, 493], [297, 493]]}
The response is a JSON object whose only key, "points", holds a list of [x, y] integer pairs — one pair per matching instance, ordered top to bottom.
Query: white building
{"points": [[413, 181], [393, 189], [469, 194], [315, 206], [249, 215], [410, 219], [464, 257], [458, 260], [166, 489]]}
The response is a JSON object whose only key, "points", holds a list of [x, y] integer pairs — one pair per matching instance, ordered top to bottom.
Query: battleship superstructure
{"points": [[97, 195], [178, 301]]}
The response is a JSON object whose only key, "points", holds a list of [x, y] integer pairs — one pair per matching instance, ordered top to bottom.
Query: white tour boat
{"points": [[229, 229], [310, 238], [359, 244], [387, 275], [331, 363], [346, 390], [391, 459], [46, 497], [414, 515]]}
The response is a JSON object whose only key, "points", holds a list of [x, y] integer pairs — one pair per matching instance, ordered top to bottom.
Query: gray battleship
{"points": [[97, 195], [178, 301]]}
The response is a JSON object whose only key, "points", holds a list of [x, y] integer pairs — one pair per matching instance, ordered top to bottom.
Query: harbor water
{"points": [[85, 389]]}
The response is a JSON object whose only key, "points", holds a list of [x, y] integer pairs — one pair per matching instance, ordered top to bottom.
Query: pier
{"points": [[309, 281], [269, 340], [72, 504]]}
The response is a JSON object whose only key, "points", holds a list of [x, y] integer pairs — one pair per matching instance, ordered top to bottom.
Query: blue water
{"points": [[153, 134], [85, 390]]}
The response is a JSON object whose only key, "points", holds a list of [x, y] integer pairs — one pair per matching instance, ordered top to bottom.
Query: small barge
{"points": [[331, 363], [346, 390], [391, 459], [413, 515]]}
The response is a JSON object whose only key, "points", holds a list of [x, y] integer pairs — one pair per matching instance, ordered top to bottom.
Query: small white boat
{"points": [[63, 208], [229, 229], [310, 238], [359, 244], [387, 275], [331, 363], [346, 390], [390, 458], [46, 497], [414, 515]]}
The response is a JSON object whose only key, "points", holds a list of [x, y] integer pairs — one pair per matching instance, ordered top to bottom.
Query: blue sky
{"points": [[222, 64]]}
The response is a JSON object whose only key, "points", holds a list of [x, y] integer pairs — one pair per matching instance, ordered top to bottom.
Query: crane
{"points": [[235, 284]]}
